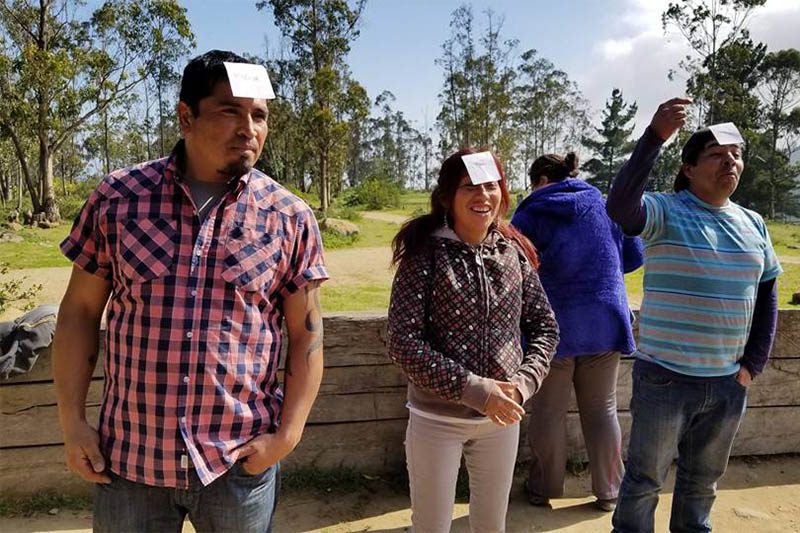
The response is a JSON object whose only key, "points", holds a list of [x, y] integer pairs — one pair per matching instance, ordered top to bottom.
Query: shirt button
{"points": [[199, 252], [194, 293], [188, 334], [185, 380], [183, 420]]}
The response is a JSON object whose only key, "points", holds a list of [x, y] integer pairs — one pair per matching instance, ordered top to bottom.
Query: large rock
{"points": [[340, 227], [7, 236]]}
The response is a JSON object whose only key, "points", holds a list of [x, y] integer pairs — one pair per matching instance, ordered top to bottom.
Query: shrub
{"points": [[374, 193], [70, 205], [344, 212], [332, 241], [13, 291]]}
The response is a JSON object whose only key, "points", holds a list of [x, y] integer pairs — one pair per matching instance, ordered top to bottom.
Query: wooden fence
{"points": [[359, 417]]}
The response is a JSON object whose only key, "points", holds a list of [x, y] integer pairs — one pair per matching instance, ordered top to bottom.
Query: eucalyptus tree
{"points": [[320, 33], [67, 68]]}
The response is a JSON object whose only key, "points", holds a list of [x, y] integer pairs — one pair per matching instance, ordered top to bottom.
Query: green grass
{"points": [[412, 203], [376, 233], [372, 234], [783, 236], [38, 250], [788, 284], [633, 285], [355, 298], [337, 481], [19, 506]]}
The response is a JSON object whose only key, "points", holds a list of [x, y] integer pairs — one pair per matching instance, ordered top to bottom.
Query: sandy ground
{"points": [[385, 217], [757, 495]]}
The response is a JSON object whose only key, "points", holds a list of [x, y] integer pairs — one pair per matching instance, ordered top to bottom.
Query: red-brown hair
{"points": [[415, 234]]}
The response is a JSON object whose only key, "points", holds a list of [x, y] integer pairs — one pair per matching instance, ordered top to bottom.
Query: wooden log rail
{"points": [[359, 417]]}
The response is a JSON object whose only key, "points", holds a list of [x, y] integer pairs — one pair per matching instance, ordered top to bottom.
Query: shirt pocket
{"points": [[147, 248], [251, 259]]}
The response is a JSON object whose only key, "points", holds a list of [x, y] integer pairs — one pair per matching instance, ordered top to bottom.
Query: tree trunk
{"points": [[160, 118], [147, 122], [106, 157], [24, 172], [63, 177], [5, 187], [19, 188], [324, 188], [48, 207]]}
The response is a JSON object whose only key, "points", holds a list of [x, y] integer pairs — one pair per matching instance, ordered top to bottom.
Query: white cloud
{"points": [[616, 48], [636, 56]]}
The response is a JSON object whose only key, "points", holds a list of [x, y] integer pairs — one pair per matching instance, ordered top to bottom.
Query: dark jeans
{"points": [[696, 419], [236, 502]]}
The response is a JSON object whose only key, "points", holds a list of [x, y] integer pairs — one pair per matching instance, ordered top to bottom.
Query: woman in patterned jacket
{"points": [[465, 292]]}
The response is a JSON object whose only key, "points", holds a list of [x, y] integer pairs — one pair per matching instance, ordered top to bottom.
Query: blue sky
{"points": [[600, 44]]}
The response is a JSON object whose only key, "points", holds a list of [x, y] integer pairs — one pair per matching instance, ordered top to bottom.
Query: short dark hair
{"points": [[202, 74]]}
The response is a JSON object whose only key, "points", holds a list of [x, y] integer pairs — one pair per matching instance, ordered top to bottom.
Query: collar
{"points": [[694, 198], [493, 237]]}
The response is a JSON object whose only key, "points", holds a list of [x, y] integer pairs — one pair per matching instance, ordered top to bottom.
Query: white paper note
{"points": [[249, 81], [726, 133], [481, 167]]}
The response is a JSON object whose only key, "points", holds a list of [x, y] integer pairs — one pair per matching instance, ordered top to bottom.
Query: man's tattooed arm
{"points": [[313, 320]]}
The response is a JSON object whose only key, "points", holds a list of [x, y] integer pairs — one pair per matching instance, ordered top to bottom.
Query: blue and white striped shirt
{"points": [[703, 265]]}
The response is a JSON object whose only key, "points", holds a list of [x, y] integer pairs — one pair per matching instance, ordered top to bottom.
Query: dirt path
{"points": [[385, 217], [757, 495]]}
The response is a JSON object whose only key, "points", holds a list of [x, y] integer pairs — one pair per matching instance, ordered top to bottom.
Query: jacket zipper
{"points": [[483, 290]]}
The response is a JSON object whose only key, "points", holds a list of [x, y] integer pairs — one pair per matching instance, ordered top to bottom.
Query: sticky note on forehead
{"points": [[249, 81], [726, 133], [481, 168]]}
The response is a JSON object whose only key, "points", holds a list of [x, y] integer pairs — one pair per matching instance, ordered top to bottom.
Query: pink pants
{"points": [[433, 454]]}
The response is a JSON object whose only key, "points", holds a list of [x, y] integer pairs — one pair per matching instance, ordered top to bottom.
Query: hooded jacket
{"points": [[583, 256], [455, 319]]}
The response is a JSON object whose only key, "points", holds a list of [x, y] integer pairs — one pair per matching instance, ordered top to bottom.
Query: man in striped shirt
{"points": [[200, 259], [707, 319]]}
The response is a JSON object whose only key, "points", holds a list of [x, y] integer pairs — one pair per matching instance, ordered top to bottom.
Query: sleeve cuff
{"points": [[74, 253], [314, 273], [524, 388], [477, 392]]}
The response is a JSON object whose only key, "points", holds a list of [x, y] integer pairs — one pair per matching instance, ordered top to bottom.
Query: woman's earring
{"points": [[446, 225]]}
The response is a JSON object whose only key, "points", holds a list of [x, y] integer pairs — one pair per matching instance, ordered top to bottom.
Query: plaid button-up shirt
{"points": [[194, 317]]}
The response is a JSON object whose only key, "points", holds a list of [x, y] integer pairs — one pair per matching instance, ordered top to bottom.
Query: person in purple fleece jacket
{"points": [[584, 256]]}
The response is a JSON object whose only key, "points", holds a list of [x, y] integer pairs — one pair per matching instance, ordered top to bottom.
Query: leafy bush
{"points": [[374, 193], [70, 205], [344, 212], [332, 241], [13, 290]]}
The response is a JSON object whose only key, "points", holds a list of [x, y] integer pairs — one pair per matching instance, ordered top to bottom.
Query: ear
{"points": [[185, 117], [688, 170]]}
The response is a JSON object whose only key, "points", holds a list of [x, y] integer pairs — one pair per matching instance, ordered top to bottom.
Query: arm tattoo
{"points": [[313, 317]]}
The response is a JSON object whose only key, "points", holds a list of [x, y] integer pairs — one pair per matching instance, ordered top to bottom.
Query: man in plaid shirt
{"points": [[200, 259]]}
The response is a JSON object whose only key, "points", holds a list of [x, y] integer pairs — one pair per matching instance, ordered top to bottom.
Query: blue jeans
{"points": [[696, 419], [236, 501]]}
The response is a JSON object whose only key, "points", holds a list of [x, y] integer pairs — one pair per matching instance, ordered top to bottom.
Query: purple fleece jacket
{"points": [[583, 257]]}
